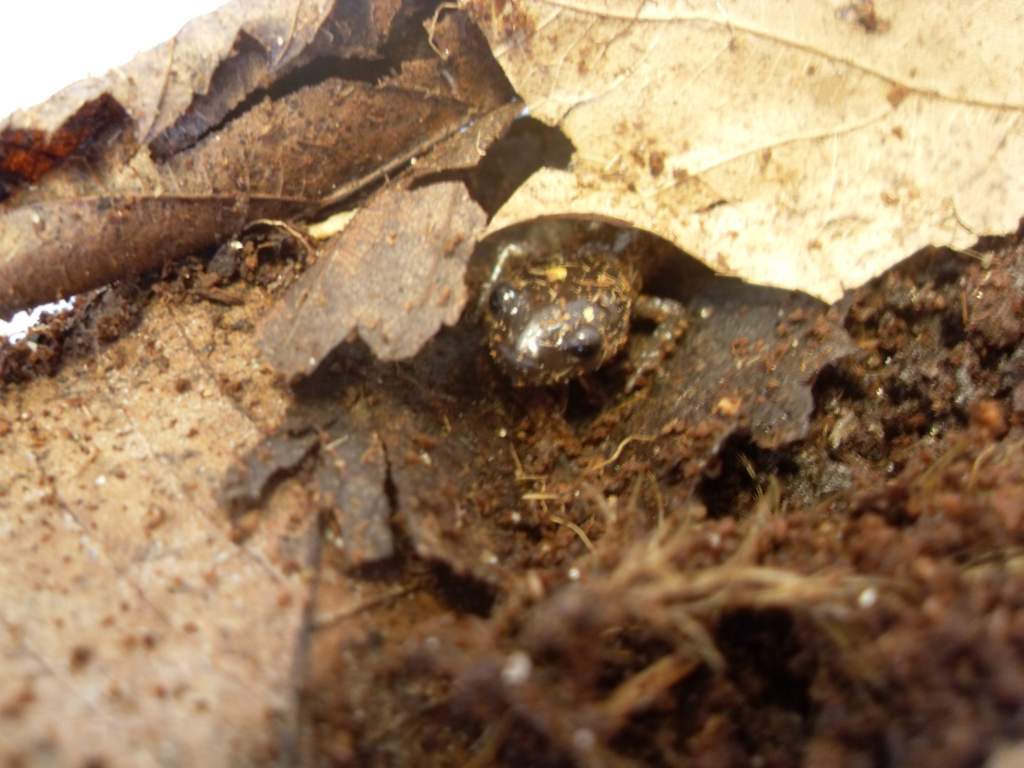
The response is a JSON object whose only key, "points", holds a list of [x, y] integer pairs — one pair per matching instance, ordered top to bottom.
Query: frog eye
{"points": [[504, 298], [584, 343]]}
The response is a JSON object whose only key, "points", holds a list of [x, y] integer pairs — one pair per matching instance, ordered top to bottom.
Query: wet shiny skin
{"points": [[552, 317]]}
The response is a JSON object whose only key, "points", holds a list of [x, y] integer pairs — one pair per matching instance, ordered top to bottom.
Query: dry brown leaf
{"points": [[797, 145], [278, 159], [120, 185], [393, 276], [133, 629]]}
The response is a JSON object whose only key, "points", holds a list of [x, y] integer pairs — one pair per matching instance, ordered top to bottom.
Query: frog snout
{"points": [[584, 343]]}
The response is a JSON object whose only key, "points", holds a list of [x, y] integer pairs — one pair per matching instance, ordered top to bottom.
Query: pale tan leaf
{"points": [[797, 144]]}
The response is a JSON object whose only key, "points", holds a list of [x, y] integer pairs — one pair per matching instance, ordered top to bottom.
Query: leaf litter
{"points": [[92, 221], [777, 550]]}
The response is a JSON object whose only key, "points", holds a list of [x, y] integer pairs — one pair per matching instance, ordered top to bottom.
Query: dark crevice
{"points": [[369, 71], [201, 116], [192, 128], [527, 146], [836, 382], [742, 471], [462, 594], [772, 669]]}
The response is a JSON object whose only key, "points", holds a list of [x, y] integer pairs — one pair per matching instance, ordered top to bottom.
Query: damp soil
{"points": [[799, 543]]}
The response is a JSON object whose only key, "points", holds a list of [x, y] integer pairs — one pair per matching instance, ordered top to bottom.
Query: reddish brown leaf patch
{"points": [[26, 154]]}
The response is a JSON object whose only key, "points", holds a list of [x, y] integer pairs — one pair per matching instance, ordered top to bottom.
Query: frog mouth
{"points": [[512, 358], [532, 365]]}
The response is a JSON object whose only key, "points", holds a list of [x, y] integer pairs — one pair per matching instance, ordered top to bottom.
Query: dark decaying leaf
{"points": [[261, 54], [476, 76], [465, 148], [143, 170], [393, 276], [747, 362], [745, 368], [440, 419], [349, 474], [350, 478], [247, 480]]}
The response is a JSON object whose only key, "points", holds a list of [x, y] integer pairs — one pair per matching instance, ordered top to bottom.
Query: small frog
{"points": [[555, 315]]}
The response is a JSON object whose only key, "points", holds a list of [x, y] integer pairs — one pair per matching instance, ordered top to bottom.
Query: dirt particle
{"points": [[864, 14], [896, 95], [656, 163], [1018, 401], [728, 406], [990, 416], [154, 518], [81, 655], [14, 707]]}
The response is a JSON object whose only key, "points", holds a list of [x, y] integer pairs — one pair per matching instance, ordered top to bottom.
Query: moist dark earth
{"points": [[799, 543]]}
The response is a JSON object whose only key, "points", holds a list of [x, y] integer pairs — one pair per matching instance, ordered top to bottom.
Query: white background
{"points": [[47, 45]]}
